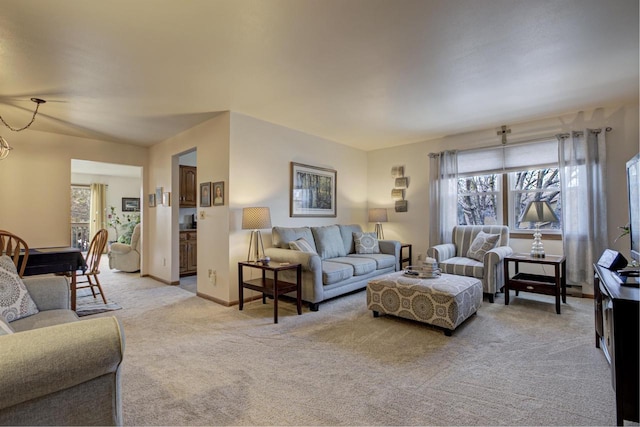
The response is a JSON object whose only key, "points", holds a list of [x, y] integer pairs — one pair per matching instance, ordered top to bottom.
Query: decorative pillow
{"points": [[328, 241], [366, 243], [302, 245], [481, 245], [15, 301], [5, 329]]}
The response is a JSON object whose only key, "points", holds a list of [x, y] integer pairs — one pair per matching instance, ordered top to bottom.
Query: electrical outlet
{"points": [[201, 215], [419, 257], [164, 262], [212, 277]]}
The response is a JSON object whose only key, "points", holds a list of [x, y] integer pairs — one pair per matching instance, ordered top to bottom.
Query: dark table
{"points": [[56, 260]]}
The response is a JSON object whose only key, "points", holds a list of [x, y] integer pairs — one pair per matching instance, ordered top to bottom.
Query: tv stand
{"points": [[616, 326]]}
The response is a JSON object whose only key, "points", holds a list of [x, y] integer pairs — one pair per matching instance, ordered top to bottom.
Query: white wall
{"points": [[260, 158], [35, 198], [413, 226]]}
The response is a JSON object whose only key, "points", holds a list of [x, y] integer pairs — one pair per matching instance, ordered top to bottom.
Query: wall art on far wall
{"points": [[312, 191], [218, 193], [205, 194], [159, 195], [152, 200], [131, 204], [401, 206]]}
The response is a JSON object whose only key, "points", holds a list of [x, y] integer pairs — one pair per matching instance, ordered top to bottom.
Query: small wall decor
{"points": [[401, 183], [312, 192], [218, 193], [205, 194], [159, 195], [166, 198], [152, 200], [131, 204]]}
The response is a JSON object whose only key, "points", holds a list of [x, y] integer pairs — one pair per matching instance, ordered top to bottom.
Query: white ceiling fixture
{"points": [[5, 148]]}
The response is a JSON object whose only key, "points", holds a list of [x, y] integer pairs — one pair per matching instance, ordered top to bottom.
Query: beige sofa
{"points": [[334, 268], [56, 369]]}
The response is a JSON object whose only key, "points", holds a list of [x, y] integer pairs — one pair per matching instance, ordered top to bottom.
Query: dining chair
{"points": [[14, 246], [92, 260]]}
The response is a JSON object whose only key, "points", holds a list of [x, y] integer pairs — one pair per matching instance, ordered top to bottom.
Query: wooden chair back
{"points": [[13, 246], [96, 248]]}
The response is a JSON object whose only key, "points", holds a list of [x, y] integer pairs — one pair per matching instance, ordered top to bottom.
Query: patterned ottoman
{"points": [[446, 301]]}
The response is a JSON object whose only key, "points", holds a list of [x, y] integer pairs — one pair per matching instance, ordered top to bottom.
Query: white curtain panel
{"points": [[582, 160], [443, 196], [98, 209]]}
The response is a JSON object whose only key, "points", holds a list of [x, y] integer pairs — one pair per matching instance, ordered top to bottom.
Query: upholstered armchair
{"points": [[126, 257], [482, 260]]}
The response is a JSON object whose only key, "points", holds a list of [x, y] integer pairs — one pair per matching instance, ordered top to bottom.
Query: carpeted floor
{"points": [[189, 361]]}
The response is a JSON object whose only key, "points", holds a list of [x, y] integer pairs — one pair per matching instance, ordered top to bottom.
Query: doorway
{"points": [[187, 220]]}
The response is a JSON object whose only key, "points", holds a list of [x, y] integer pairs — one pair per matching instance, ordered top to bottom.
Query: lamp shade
{"points": [[539, 211], [377, 215], [256, 218]]}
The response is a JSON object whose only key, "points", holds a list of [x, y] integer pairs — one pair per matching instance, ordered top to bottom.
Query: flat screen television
{"points": [[633, 188]]}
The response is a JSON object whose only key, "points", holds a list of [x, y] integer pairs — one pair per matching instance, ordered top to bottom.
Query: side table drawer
{"points": [[533, 283]]}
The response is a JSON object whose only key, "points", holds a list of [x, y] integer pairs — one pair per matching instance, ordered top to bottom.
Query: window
{"points": [[496, 184], [80, 216]]}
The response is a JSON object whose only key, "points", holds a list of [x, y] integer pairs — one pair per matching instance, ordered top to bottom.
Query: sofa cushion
{"points": [[281, 236], [347, 236], [328, 241], [366, 243], [482, 243], [302, 245], [382, 260], [360, 266], [463, 267], [334, 272], [15, 301], [43, 319], [5, 328]]}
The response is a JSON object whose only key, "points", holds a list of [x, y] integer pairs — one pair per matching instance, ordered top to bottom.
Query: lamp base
{"points": [[379, 232], [255, 244], [537, 248]]}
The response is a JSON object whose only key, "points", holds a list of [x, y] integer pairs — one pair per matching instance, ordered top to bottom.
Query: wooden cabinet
{"points": [[188, 186], [188, 253], [616, 325]]}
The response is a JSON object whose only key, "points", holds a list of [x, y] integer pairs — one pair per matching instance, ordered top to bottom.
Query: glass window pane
{"points": [[478, 200]]}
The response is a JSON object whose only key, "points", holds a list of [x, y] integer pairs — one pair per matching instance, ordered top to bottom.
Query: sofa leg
{"points": [[491, 298], [313, 306], [376, 314]]}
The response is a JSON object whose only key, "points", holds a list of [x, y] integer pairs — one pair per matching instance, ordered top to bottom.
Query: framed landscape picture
{"points": [[312, 192], [131, 204]]}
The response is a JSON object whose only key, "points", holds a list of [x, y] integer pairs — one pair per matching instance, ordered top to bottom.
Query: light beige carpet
{"points": [[189, 361]]}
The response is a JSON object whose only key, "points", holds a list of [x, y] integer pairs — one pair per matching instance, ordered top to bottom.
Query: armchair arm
{"points": [[391, 247], [120, 248], [442, 252], [494, 272], [49, 292], [42, 361]]}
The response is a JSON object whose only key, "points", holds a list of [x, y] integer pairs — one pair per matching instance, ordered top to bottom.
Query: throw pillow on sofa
{"points": [[366, 243], [482, 244], [302, 245], [15, 301]]}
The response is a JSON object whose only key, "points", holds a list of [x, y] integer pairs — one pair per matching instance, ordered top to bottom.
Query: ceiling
{"points": [[365, 73]]}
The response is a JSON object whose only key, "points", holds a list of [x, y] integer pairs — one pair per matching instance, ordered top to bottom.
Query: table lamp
{"points": [[538, 212], [378, 215], [256, 219]]}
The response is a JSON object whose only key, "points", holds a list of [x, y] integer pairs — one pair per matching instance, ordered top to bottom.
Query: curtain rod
{"points": [[528, 141]]}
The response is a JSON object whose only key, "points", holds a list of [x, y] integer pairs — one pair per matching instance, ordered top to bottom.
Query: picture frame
{"points": [[402, 182], [312, 191], [218, 193], [205, 194], [397, 194], [158, 195], [166, 198], [152, 200], [131, 204], [401, 206]]}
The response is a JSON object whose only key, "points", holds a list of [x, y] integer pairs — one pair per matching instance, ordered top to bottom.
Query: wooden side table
{"points": [[404, 258], [537, 283], [271, 287]]}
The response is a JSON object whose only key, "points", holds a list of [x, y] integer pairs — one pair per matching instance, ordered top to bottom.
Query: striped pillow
{"points": [[302, 245]]}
